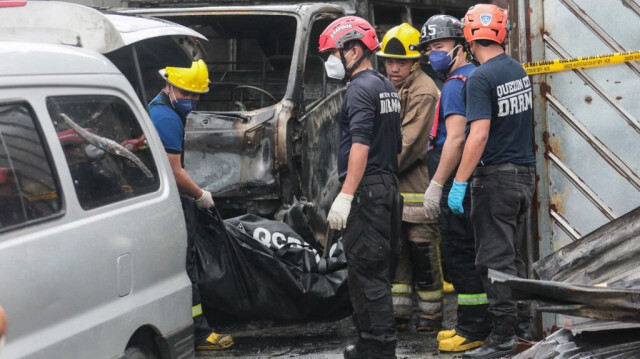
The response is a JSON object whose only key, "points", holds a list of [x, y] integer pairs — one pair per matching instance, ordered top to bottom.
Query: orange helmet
{"points": [[485, 21]]}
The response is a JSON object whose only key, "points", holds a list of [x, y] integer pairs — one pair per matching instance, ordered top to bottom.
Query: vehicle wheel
{"points": [[137, 353]]}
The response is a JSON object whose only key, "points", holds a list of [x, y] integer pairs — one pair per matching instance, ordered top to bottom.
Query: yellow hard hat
{"points": [[395, 43], [191, 79]]}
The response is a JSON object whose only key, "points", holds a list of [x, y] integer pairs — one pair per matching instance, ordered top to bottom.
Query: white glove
{"points": [[432, 200], [205, 201], [340, 211]]}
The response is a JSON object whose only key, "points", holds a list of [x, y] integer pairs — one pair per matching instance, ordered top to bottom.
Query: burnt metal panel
{"points": [[587, 121], [319, 178], [607, 255], [594, 277], [587, 300], [562, 344]]}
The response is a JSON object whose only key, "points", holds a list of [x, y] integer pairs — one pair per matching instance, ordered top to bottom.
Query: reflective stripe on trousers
{"points": [[399, 288], [430, 296], [472, 299], [196, 310]]}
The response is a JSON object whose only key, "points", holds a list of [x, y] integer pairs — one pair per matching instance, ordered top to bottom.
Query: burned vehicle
{"points": [[266, 133]]}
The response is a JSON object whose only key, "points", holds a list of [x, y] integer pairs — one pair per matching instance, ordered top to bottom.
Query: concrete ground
{"points": [[322, 340]]}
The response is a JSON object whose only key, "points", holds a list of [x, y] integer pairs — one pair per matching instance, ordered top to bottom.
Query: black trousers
{"points": [[500, 199], [369, 241], [457, 244], [458, 261], [202, 329]]}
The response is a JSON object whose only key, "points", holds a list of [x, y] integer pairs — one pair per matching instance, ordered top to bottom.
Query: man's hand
{"points": [[456, 195], [432, 199], [205, 201], [340, 211]]}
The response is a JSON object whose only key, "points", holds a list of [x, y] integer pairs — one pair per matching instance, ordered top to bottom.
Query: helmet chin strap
{"points": [[470, 55], [348, 71]]}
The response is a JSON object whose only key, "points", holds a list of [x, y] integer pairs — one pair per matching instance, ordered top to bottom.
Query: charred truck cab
{"points": [[265, 133]]}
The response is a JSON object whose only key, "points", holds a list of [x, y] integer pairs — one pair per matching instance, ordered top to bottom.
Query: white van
{"points": [[92, 234]]}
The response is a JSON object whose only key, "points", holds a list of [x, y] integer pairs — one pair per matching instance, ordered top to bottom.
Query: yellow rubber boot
{"points": [[447, 287], [446, 334], [215, 341], [458, 343]]}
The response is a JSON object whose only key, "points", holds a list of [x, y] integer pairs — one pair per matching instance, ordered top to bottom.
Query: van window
{"points": [[105, 148], [28, 190]]}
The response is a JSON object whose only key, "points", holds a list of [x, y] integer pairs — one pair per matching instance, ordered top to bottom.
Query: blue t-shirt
{"points": [[500, 90], [451, 102], [370, 115], [168, 124]]}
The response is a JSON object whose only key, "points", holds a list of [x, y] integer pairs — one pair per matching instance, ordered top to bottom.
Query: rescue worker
{"points": [[443, 41], [168, 111], [498, 160], [368, 207], [417, 265]]}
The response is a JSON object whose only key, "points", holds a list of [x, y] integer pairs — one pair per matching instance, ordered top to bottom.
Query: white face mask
{"points": [[334, 68]]}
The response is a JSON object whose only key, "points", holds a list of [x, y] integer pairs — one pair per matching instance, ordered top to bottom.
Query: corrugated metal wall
{"points": [[587, 121]]}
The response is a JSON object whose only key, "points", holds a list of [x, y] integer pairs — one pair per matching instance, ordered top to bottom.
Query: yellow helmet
{"points": [[395, 43], [191, 79]]}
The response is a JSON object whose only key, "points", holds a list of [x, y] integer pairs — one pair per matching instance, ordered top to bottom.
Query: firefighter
{"points": [[443, 41], [168, 111], [498, 162], [368, 207], [417, 268]]}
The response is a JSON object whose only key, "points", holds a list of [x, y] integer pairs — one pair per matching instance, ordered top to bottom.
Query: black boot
{"points": [[524, 319], [523, 329], [501, 342], [378, 350], [356, 351]]}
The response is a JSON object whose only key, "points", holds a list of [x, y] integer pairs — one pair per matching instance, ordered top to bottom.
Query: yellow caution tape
{"points": [[543, 67]]}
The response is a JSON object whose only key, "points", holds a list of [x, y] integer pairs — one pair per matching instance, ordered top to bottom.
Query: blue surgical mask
{"points": [[441, 61], [184, 106]]}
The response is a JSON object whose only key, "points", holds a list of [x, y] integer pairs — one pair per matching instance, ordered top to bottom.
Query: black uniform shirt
{"points": [[500, 90], [370, 115]]}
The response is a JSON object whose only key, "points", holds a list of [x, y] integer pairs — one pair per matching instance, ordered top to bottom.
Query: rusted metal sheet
{"points": [[587, 121], [607, 255], [593, 282], [585, 300], [617, 344]]}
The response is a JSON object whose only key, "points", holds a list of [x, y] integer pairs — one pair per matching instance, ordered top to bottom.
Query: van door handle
{"points": [[125, 275]]}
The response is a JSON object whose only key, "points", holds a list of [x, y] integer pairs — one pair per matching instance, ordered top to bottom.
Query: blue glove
{"points": [[456, 195]]}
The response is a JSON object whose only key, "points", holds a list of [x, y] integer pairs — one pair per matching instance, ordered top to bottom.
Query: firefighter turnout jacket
{"points": [[418, 95]]}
